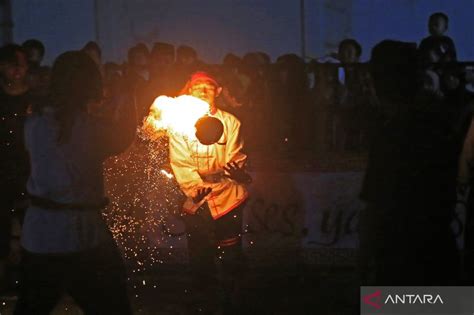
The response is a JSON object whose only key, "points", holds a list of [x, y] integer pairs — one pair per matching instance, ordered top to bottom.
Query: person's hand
{"points": [[237, 173], [201, 194]]}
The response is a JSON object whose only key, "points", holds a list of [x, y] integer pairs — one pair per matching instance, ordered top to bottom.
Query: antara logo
{"points": [[375, 299], [414, 299]]}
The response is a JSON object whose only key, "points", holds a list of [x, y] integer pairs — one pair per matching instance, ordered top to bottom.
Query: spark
{"points": [[167, 174], [143, 195]]}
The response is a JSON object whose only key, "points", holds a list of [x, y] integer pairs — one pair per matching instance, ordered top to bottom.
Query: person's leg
{"points": [[229, 239], [201, 243], [201, 252], [230, 254], [97, 281], [41, 286]]}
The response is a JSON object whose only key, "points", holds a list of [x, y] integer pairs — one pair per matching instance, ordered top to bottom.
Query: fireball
{"points": [[177, 115]]}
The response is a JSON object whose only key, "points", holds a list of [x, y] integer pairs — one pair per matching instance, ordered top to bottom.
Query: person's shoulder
{"points": [[448, 39], [426, 40]]}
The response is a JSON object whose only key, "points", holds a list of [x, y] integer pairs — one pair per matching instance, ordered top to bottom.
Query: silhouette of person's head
{"points": [[438, 24], [93, 50], [349, 51], [34, 52], [162, 54], [138, 55], [186, 55], [231, 61], [13, 64], [291, 70], [75, 81]]}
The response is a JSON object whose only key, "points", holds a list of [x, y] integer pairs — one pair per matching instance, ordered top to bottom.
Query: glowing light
{"points": [[177, 115], [167, 174]]}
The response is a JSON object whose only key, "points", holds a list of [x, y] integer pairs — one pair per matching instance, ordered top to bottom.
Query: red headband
{"points": [[202, 76]]}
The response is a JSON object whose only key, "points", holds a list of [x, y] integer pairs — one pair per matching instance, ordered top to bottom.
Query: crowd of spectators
{"points": [[405, 96], [289, 104]]}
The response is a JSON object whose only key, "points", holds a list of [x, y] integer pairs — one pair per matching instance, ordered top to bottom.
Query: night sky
{"points": [[217, 27]]}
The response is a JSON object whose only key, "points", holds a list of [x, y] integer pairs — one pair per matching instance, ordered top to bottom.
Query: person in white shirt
{"points": [[212, 176], [68, 247]]}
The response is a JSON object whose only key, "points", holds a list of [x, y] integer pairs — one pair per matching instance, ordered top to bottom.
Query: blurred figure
{"points": [[437, 47], [92, 49], [349, 51], [34, 52], [186, 56], [162, 57], [187, 63], [393, 66], [255, 67], [137, 69], [137, 75], [42, 79], [162, 80], [113, 83], [234, 85], [252, 96], [357, 99], [459, 102], [15, 103], [322, 104], [288, 107], [430, 151], [411, 207], [68, 247]]}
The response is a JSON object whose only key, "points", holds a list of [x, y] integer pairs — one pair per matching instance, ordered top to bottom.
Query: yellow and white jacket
{"points": [[198, 166]]}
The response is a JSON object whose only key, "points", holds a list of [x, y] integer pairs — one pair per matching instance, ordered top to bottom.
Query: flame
{"points": [[177, 115]]}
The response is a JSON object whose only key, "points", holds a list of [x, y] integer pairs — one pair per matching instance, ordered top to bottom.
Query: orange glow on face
{"points": [[204, 91], [177, 115]]}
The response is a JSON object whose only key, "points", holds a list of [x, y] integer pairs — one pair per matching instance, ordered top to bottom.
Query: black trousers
{"points": [[210, 239], [95, 279]]}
